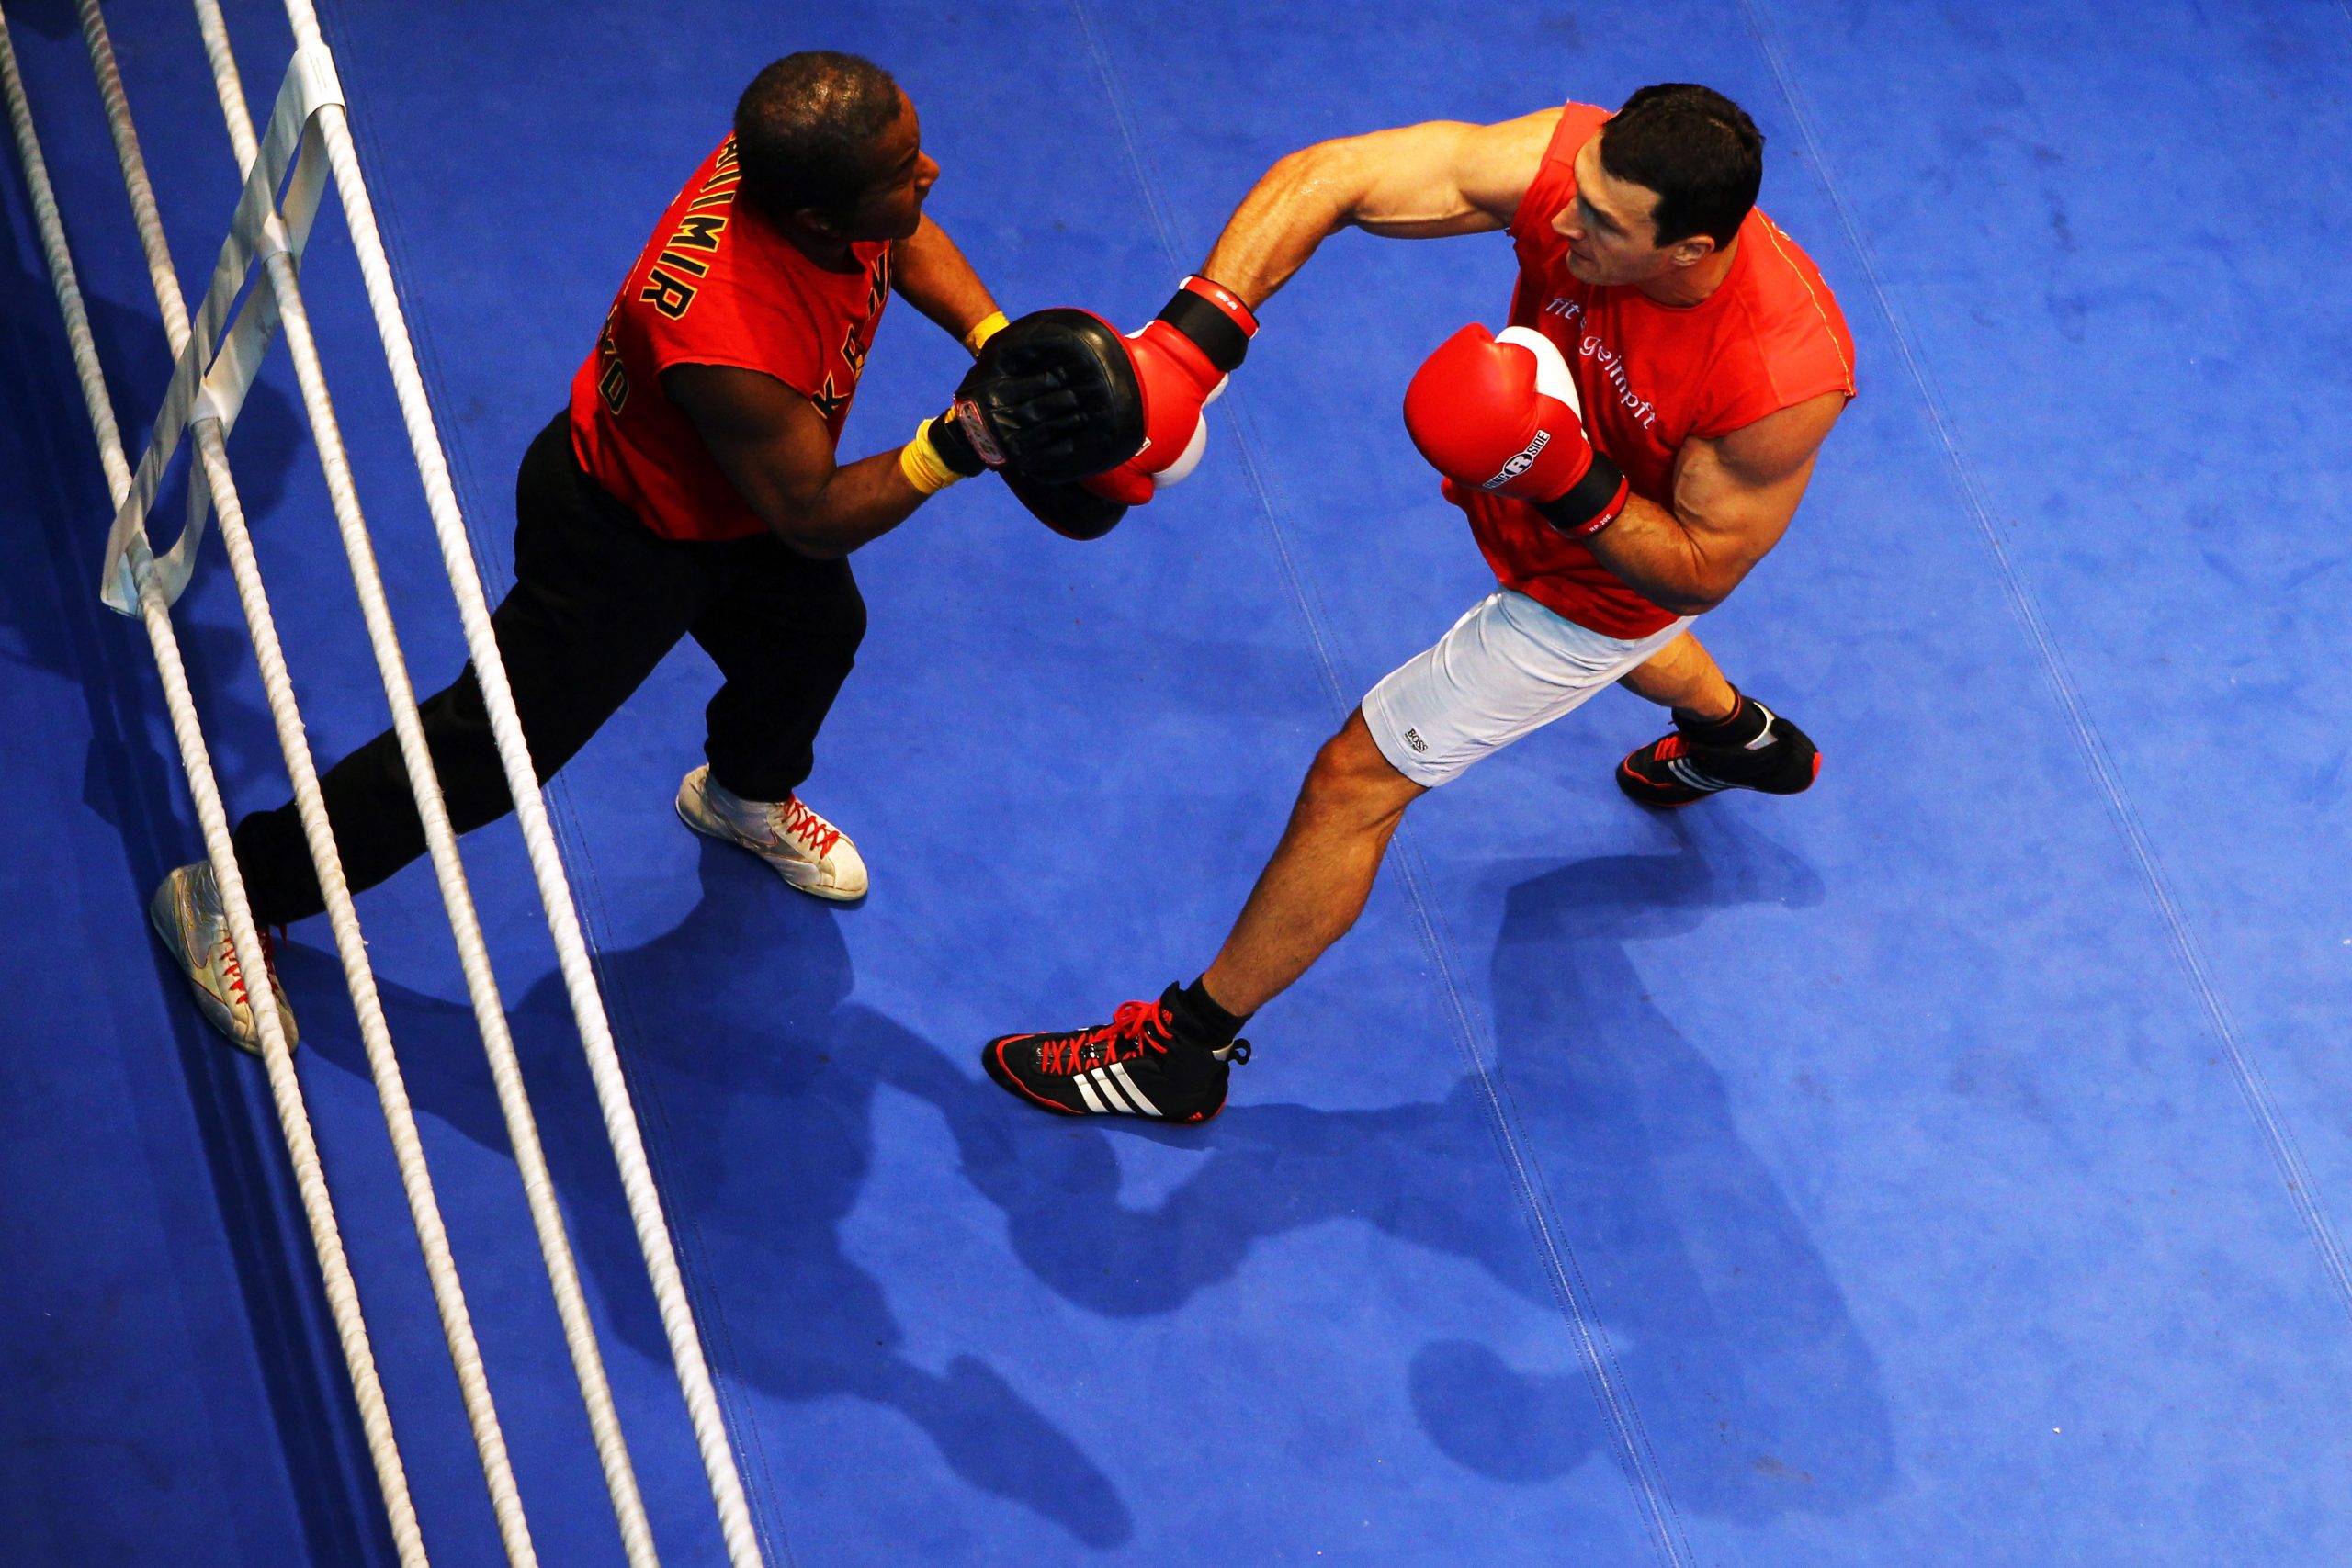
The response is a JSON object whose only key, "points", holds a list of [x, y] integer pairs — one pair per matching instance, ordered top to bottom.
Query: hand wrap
{"points": [[938, 456]]}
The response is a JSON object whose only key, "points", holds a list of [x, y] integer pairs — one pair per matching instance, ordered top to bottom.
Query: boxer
{"points": [[1624, 452]]}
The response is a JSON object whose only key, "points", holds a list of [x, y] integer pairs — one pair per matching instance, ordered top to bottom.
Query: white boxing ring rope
{"points": [[222, 391], [530, 811], [457, 899], [317, 1208], [465, 1354]]}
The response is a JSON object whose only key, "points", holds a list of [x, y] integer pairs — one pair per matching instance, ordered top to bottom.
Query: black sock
{"points": [[1746, 723], [1199, 1019]]}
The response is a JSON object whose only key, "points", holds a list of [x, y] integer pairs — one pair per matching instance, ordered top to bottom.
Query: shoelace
{"points": [[1671, 746], [805, 827], [234, 974], [1139, 1026]]}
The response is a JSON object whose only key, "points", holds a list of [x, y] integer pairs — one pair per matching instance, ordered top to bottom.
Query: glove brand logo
{"points": [[1589, 346], [1520, 462], [1413, 739]]}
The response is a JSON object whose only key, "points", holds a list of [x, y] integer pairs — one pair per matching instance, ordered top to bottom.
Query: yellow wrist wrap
{"points": [[986, 328], [923, 464]]}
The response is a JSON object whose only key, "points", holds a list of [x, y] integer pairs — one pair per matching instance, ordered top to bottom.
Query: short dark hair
{"points": [[803, 126], [1694, 147]]}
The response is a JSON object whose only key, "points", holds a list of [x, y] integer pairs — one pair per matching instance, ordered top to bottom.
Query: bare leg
{"points": [[1683, 675], [1314, 886]]}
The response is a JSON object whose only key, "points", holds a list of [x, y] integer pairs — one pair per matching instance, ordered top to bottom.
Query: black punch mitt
{"points": [[1053, 396], [1068, 508]]}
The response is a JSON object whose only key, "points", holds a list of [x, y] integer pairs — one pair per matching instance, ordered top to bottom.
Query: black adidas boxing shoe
{"points": [[1754, 749], [1137, 1064]]}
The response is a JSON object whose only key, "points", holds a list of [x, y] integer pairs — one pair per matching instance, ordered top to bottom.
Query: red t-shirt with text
{"points": [[715, 285], [1651, 377]]}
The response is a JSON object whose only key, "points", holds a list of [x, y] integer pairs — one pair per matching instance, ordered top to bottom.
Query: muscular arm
{"points": [[1419, 182], [932, 275], [774, 448], [1733, 500]]}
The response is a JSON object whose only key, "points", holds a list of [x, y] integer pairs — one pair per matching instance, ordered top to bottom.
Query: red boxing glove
{"points": [[1182, 359], [1502, 414]]}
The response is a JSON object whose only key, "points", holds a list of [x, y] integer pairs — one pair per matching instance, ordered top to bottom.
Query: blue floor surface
{"points": [[1947, 1166]]}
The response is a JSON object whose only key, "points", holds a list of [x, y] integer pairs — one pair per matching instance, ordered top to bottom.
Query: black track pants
{"points": [[598, 600]]}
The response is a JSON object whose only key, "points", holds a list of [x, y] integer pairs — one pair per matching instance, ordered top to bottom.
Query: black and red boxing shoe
{"points": [[1754, 749], [1137, 1064]]}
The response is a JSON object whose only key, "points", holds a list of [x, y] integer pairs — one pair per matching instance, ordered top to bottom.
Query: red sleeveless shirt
{"points": [[715, 285], [1651, 377]]}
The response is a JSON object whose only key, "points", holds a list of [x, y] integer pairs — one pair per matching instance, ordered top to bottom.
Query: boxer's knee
{"points": [[1350, 784]]}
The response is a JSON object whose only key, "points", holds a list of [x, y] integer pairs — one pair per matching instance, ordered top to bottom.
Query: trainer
{"points": [[1635, 441], [691, 488]]}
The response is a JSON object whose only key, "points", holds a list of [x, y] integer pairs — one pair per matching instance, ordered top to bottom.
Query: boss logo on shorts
{"points": [[1520, 462], [1413, 739]]}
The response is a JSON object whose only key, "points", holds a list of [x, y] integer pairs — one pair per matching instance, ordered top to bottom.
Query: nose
{"points": [[926, 171]]}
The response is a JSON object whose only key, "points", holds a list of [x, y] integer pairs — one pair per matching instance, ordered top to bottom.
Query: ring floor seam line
{"points": [[456, 452], [2284, 1153], [1582, 1303], [1603, 1369], [743, 1426], [1635, 1458]]}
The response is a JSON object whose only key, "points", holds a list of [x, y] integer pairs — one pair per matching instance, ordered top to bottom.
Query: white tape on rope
{"points": [[213, 375], [343, 1300]]}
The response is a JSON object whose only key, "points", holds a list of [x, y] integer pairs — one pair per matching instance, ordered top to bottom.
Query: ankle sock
{"points": [[1745, 727], [1199, 1019]]}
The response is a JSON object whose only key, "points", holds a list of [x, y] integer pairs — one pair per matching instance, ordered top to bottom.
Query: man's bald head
{"points": [[806, 128]]}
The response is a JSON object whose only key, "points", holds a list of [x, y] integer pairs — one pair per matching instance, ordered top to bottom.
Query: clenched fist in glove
{"points": [[1181, 360], [1502, 414], [1081, 423]]}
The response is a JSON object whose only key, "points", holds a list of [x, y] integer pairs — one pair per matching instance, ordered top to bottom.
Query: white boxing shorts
{"points": [[1508, 667]]}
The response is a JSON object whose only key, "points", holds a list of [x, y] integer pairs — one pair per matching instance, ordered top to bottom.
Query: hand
{"points": [[1052, 397], [1502, 414]]}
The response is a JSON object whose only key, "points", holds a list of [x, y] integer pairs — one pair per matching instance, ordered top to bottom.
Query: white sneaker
{"points": [[807, 851], [186, 911]]}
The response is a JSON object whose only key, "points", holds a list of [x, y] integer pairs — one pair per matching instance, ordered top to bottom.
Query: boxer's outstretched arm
{"points": [[1419, 182], [929, 273]]}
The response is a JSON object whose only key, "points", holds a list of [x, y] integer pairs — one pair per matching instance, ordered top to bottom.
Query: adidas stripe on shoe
{"points": [[1755, 748], [1137, 1064]]}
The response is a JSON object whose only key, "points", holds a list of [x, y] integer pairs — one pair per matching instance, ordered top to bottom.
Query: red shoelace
{"points": [[1671, 746], [819, 835], [234, 973], [1134, 1028]]}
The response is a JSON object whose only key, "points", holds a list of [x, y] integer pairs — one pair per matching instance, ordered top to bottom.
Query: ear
{"points": [[819, 220], [1692, 251]]}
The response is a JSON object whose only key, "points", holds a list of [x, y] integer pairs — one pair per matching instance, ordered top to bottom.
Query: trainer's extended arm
{"points": [[1418, 182], [929, 273], [774, 448], [1733, 500]]}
